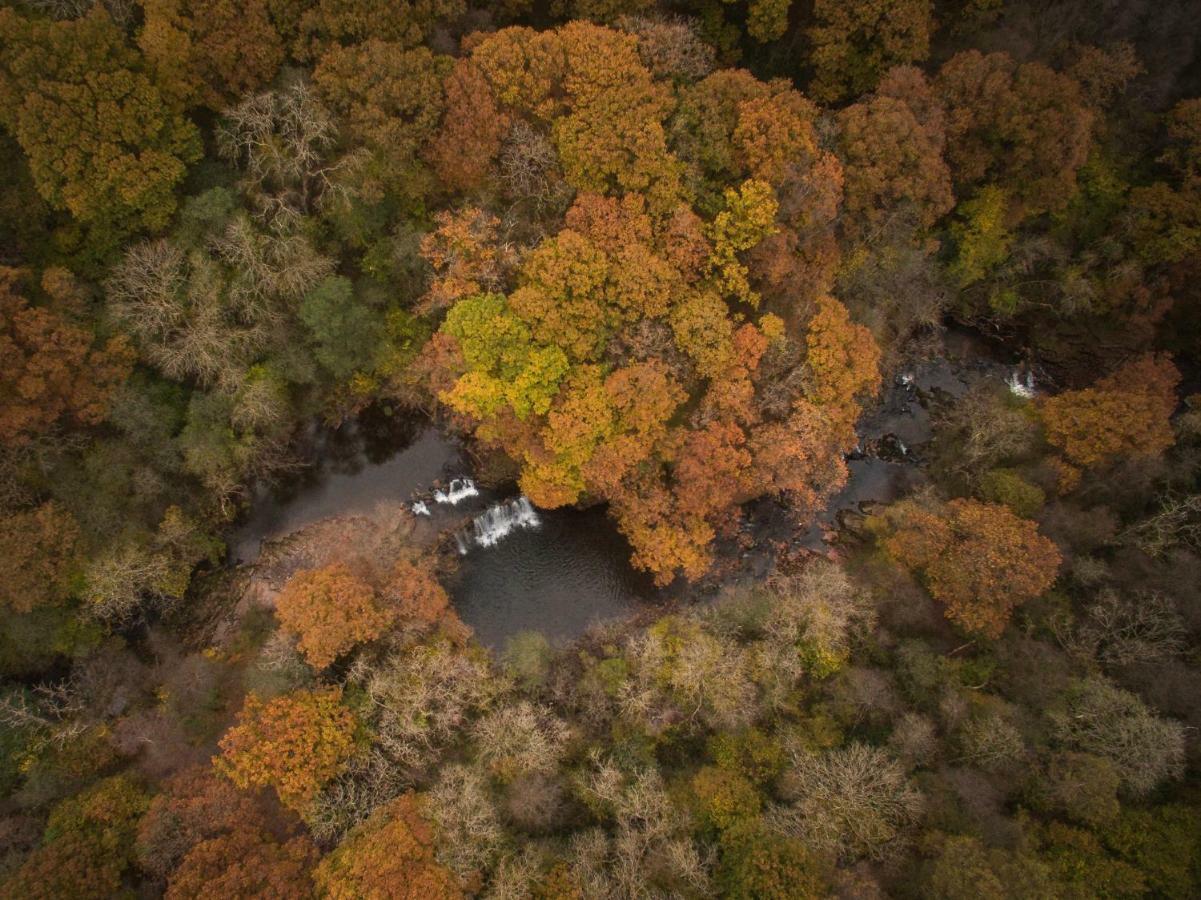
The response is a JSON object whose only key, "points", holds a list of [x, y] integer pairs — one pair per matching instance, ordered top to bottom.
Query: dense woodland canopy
{"points": [[656, 256]]}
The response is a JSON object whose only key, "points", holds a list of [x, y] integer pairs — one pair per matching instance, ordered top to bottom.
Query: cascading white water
{"points": [[1022, 384], [458, 490], [420, 508], [498, 521]]}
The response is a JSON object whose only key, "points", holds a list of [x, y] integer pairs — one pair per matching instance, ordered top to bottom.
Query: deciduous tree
{"points": [[327, 23], [856, 42], [210, 51], [389, 99], [1024, 127], [101, 141], [466, 145], [891, 159], [467, 256], [51, 370], [1123, 414], [38, 550], [978, 559], [330, 610], [294, 743], [392, 854], [245, 862]]}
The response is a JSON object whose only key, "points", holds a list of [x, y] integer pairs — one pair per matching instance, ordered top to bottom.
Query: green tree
{"points": [[346, 332]]}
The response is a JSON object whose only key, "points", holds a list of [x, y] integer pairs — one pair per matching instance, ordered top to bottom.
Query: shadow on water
{"points": [[376, 459]]}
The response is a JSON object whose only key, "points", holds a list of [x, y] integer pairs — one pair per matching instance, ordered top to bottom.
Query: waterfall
{"points": [[1021, 385], [459, 489], [420, 508], [498, 521]]}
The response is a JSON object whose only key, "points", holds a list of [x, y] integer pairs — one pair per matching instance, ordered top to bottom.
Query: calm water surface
{"points": [[558, 578]]}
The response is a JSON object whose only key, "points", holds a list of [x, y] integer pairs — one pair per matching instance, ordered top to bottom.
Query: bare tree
{"points": [[671, 47], [284, 141], [530, 171], [267, 267], [177, 308], [1178, 522], [1120, 630], [685, 673], [424, 697], [51, 714], [1101, 718], [521, 739], [990, 739], [371, 780], [855, 801], [470, 836], [649, 852]]}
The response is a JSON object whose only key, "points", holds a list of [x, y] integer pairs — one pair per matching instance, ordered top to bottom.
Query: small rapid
{"points": [[497, 522]]}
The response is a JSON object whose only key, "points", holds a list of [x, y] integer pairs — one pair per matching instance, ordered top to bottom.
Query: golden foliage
{"points": [[1121, 415], [294, 743], [391, 855]]}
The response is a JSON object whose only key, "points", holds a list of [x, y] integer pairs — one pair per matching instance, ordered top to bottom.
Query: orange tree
{"points": [[1024, 127], [891, 147], [633, 361], [50, 370], [1123, 414], [37, 557], [978, 559], [330, 610], [294, 743], [389, 855], [245, 862]]}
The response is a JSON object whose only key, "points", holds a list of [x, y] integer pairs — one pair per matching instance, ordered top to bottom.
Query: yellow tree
{"points": [[210, 51], [102, 142]]}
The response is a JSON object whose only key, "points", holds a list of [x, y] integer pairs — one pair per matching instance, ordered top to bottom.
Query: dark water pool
{"points": [[558, 578]]}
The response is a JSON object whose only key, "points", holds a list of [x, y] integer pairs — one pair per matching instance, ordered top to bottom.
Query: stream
{"points": [[559, 571]]}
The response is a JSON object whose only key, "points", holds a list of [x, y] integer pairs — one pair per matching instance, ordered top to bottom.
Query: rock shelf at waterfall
{"points": [[456, 492]]}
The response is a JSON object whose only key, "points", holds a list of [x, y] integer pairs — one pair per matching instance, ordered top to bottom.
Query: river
{"points": [[558, 571]]}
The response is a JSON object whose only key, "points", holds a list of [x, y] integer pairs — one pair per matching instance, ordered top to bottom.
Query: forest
{"points": [[693, 269]]}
